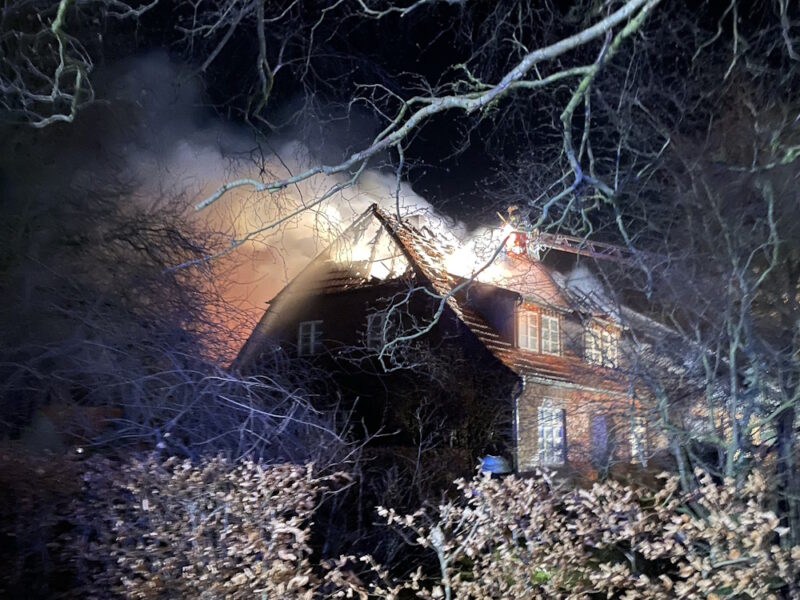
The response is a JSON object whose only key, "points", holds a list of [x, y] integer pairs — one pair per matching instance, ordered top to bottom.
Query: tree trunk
{"points": [[786, 470]]}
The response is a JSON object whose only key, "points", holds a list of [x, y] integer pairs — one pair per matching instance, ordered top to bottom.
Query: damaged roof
{"points": [[419, 255], [530, 279]]}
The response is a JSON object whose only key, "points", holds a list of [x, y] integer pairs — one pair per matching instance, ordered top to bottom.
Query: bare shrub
{"points": [[151, 529], [527, 538]]}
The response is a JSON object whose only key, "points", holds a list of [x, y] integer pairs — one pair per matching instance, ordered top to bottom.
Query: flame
{"points": [[517, 242], [472, 256], [463, 262]]}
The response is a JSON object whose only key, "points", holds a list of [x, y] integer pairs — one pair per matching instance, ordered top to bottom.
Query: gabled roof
{"points": [[378, 247]]}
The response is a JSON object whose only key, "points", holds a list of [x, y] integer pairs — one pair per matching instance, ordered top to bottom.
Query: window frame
{"points": [[527, 315], [551, 319], [309, 337], [373, 337], [601, 346], [551, 428], [637, 437], [601, 442]]}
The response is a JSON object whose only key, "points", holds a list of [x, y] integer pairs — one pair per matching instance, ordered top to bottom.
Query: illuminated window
{"points": [[528, 330], [309, 334], [551, 341], [602, 346], [551, 434]]}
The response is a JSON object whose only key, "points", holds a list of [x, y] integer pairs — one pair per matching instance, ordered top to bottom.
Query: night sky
{"points": [[169, 121]]}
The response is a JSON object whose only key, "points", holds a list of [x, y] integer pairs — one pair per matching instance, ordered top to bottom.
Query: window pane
{"points": [[375, 323], [522, 330], [528, 330], [309, 334], [550, 337], [602, 346], [551, 435], [639, 439], [601, 447]]}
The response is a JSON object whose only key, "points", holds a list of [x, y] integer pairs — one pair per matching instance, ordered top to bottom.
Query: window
{"points": [[375, 330], [528, 330], [309, 334], [531, 336], [551, 341], [602, 346], [551, 434], [639, 439], [601, 446]]}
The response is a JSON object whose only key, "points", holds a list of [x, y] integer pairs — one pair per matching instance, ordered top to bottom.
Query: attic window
{"points": [[528, 330], [309, 335], [551, 338], [602, 346]]}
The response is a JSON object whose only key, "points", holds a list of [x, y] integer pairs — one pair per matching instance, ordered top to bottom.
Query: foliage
{"points": [[151, 529], [172, 529], [527, 538]]}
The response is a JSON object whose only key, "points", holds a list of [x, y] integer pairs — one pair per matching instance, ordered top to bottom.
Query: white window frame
{"points": [[528, 330], [309, 337], [551, 343], [601, 346], [552, 434]]}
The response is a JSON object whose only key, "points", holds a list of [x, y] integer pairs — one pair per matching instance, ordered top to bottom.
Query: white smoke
{"points": [[175, 149], [585, 286]]}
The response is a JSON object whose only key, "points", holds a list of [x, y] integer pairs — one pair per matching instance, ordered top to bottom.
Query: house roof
{"points": [[419, 253], [528, 278]]}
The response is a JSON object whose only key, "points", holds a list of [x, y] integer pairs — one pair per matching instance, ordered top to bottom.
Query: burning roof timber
{"points": [[380, 247]]}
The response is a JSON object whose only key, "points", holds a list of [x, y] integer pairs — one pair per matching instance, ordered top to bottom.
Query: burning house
{"points": [[512, 357]]}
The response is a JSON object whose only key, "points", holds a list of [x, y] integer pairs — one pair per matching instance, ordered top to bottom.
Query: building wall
{"points": [[344, 315], [463, 391], [582, 438]]}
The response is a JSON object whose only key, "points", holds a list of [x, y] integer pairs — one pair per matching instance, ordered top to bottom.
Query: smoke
{"points": [[156, 133], [174, 146], [585, 285]]}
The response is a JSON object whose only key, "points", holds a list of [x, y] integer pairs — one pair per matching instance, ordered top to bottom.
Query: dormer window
{"points": [[528, 330], [538, 332], [551, 336], [309, 338], [602, 346]]}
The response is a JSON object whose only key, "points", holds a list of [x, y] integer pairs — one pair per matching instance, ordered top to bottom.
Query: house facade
{"points": [[528, 363]]}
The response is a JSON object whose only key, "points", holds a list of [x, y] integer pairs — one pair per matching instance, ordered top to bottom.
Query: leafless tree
{"points": [[48, 50], [713, 225], [107, 343]]}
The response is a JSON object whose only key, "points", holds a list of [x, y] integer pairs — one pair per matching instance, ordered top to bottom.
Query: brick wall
{"points": [[588, 414]]}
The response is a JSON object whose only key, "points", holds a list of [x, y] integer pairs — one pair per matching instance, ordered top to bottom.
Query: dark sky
{"points": [[400, 53], [164, 128], [451, 160]]}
